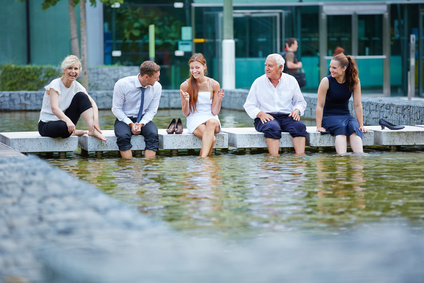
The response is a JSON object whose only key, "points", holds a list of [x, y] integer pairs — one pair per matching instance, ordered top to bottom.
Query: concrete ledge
{"points": [[410, 135], [250, 138], [316, 139], [188, 141], [30, 142], [88, 143], [6, 151]]}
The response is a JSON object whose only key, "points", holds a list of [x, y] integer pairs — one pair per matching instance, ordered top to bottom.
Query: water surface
{"points": [[233, 195], [237, 196]]}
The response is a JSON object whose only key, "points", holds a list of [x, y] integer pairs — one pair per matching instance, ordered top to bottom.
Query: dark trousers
{"points": [[281, 123], [58, 129], [123, 135]]}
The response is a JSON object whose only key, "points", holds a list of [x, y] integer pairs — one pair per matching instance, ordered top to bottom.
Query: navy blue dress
{"points": [[336, 117]]}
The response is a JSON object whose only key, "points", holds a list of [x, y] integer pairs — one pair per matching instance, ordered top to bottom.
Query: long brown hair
{"points": [[351, 72], [193, 87]]}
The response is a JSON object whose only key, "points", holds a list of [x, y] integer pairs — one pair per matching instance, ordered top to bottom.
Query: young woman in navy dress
{"points": [[332, 112]]}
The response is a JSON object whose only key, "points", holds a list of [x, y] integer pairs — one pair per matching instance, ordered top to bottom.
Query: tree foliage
{"points": [[50, 3], [132, 27]]}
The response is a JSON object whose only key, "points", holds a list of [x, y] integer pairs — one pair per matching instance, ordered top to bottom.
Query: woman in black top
{"points": [[332, 112]]}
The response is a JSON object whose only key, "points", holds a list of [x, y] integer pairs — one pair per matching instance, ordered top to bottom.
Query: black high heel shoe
{"points": [[383, 123], [171, 127], [179, 127]]}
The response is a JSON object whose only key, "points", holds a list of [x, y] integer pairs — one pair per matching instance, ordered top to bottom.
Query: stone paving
{"points": [[40, 205]]}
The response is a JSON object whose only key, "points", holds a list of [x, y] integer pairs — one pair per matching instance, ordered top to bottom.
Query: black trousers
{"points": [[58, 129], [123, 135]]}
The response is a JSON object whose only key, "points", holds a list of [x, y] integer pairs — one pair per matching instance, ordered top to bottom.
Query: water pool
{"points": [[232, 195], [253, 195]]}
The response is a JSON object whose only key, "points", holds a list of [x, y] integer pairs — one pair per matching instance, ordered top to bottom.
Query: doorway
{"points": [[362, 31], [256, 34]]}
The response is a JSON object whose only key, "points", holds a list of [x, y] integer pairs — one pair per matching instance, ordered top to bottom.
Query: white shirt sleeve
{"points": [[298, 100], [118, 103], [251, 104]]}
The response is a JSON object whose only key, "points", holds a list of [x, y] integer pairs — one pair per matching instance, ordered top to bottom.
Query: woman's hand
{"points": [[221, 94], [185, 95], [71, 127], [321, 129], [363, 129]]}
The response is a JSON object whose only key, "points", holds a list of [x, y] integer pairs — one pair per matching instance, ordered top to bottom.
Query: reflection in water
{"points": [[340, 185], [254, 195]]}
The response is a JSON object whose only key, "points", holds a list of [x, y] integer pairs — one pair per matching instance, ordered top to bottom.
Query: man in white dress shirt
{"points": [[135, 103], [276, 103]]}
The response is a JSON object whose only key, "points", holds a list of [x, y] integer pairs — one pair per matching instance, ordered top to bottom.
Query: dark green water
{"points": [[233, 195]]}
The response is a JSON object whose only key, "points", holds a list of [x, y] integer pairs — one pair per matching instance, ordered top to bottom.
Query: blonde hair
{"points": [[70, 61]]}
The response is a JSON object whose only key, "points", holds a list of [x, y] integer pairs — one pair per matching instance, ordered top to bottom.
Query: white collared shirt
{"points": [[284, 98], [127, 99]]}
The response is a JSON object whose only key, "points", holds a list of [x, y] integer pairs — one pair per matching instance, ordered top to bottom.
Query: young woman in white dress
{"points": [[201, 99]]}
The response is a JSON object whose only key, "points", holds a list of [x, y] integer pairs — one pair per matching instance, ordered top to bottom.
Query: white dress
{"points": [[203, 112]]}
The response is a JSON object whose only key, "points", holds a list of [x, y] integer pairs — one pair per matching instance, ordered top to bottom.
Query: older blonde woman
{"points": [[65, 101]]}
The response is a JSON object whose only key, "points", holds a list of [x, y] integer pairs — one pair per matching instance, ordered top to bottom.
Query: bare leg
{"points": [[88, 116], [79, 133], [207, 134], [214, 140], [356, 143], [341, 144], [299, 145], [273, 146], [127, 154], [149, 154]]}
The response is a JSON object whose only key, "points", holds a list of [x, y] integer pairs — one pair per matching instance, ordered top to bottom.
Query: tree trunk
{"points": [[83, 30], [74, 34]]}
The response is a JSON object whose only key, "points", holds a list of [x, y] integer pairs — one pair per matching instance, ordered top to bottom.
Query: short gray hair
{"points": [[278, 59], [70, 61]]}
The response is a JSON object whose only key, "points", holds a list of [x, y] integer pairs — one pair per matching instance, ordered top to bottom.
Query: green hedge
{"points": [[26, 77]]}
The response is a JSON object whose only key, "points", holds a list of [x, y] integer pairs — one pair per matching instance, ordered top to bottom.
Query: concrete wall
{"points": [[395, 109]]}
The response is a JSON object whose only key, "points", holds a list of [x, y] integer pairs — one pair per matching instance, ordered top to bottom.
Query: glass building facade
{"points": [[377, 33]]}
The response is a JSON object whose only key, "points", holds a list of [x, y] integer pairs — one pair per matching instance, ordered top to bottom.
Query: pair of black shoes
{"points": [[383, 123], [175, 127]]}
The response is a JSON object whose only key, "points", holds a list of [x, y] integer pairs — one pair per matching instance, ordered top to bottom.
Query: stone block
{"points": [[410, 135], [250, 138], [316, 139], [188, 141], [31, 142], [89, 143]]}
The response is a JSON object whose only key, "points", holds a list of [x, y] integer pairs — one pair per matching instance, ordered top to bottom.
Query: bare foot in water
{"points": [[79, 133], [96, 134]]}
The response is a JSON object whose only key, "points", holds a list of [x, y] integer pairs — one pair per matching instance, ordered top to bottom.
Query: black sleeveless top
{"points": [[337, 99]]}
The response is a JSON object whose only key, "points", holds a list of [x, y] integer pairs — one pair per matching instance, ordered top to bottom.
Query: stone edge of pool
{"points": [[398, 110], [57, 228]]}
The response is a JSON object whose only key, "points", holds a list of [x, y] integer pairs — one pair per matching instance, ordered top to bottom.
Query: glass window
{"points": [[339, 33], [370, 35]]}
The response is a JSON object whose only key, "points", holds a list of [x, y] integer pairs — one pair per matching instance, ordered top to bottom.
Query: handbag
{"points": [[300, 77]]}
